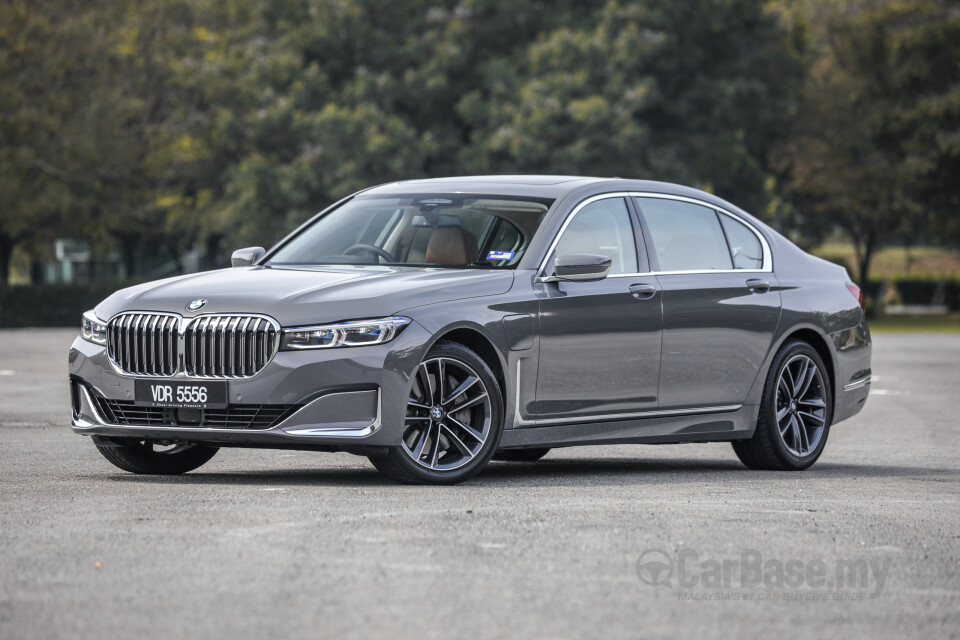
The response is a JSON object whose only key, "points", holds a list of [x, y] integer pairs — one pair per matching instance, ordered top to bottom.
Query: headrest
{"points": [[452, 246]]}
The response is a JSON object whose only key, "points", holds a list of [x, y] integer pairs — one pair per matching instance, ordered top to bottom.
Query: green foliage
{"points": [[168, 124], [874, 148]]}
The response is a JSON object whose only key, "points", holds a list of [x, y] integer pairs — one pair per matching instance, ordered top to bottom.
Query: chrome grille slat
{"points": [[134, 342], [144, 343], [243, 344], [208, 346], [217, 346]]}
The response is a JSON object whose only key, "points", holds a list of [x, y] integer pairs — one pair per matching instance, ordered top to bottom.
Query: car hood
{"points": [[308, 295]]}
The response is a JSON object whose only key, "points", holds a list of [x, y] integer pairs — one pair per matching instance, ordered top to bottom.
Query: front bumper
{"points": [[338, 398]]}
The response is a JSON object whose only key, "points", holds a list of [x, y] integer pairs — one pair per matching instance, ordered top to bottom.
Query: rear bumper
{"points": [[853, 348], [338, 398]]}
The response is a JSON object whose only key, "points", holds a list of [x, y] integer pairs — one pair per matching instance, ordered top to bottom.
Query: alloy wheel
{"points": [[801, 407], [448, 415]]}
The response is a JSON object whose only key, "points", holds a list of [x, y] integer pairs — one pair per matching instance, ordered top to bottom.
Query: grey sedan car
{"points": [[432, 325]]}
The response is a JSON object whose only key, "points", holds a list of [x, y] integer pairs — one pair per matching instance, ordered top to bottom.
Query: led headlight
{"points": [[93, 328], [355, 333]]}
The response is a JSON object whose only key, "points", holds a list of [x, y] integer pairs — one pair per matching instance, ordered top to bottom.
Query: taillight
{"points": [[858, 294]]}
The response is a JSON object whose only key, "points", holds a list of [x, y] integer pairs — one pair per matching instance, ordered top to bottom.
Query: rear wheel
{"points": [[795, 412], [453, 422], [520, 455], [144, 456]]}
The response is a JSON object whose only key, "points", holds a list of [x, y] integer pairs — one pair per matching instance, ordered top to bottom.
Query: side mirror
{"points": [[246, 257], [581, 266]]}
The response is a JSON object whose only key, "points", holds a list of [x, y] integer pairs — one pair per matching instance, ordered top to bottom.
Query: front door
{"points": [[599, 340]]}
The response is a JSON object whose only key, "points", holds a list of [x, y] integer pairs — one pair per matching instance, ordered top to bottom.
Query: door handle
{"points": [[758, 286], [643, 291]]}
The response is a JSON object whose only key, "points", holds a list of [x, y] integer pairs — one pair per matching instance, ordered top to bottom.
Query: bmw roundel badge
{"points": [[196, 305]]}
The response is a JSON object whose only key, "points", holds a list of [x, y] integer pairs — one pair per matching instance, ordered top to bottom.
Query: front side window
{"points": [[603, 228], [430, 230], [685, 236]]}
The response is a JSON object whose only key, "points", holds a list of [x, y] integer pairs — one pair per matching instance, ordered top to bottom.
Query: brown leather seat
{"points": [[453, 246]]}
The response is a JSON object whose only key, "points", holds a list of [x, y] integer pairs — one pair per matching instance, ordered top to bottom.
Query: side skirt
{"points": [[704, 427]]}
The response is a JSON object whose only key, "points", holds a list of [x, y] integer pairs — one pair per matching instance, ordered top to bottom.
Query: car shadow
{"points": [[547, 472]]}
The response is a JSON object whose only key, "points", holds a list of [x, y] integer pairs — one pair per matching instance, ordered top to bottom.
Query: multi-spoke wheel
{"points": [[801, 408], [795, 412], [453, 419], [144, 456]]}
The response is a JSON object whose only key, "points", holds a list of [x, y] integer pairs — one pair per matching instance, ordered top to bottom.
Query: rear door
{"points": [[721, 304]]}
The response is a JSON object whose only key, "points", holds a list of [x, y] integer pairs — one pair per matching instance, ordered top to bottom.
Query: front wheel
{"points": [[795, 412], [453, 421], [144, 456]]}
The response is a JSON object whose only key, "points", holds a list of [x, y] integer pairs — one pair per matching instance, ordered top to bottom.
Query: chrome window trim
{"points": [[767, 266], [183, 324]]}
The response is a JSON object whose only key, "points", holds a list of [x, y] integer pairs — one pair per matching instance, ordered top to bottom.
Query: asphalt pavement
{"points": [[617, 541]]}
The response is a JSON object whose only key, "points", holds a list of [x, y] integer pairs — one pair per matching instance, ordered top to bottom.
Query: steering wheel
{"points": [[369, 248]]}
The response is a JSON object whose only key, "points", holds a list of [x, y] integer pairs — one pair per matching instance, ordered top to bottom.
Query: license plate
{"points": [[167, 393]]}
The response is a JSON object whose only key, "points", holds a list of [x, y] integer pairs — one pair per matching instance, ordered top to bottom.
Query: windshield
{"points": [[429, 230]]}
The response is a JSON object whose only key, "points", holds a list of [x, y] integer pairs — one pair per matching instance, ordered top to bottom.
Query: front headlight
{"points": [[93, 328], [356, 333]]}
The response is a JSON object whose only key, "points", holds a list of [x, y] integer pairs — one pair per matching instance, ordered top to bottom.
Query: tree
{"points": [[694, 92], [874, 143], [45, 150]]}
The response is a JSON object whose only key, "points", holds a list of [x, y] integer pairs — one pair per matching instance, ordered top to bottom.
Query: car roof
{"points": [[530, 185], [539, 186]]}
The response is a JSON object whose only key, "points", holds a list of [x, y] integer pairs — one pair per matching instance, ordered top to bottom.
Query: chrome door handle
{"points": [[758, 286], [643, 291]]}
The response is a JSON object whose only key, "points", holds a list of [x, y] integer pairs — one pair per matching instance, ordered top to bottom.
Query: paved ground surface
{"points": [[274, 544]]}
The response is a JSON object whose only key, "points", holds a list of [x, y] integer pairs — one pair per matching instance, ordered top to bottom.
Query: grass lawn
{"points": [[890, 262], [916, 324]]}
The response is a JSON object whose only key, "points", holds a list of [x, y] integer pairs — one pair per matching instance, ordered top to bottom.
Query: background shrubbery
{"points": [[179, 129], [52, 305]]}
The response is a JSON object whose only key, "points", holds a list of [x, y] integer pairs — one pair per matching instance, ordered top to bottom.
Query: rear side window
{"points": [[685, 236], [745, 249]]}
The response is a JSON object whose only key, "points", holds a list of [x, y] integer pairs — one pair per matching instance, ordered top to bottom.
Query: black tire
{"points": [[770, 448], [520, 455], [141, 456], [399, 464]]}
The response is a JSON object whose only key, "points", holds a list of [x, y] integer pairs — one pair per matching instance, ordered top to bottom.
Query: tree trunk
{"points": [[128, 253], [211, 253], [6, 255], [865, 255]]}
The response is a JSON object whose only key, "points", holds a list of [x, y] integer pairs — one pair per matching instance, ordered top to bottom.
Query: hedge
{"points": [[922, 289], [50, 305]]}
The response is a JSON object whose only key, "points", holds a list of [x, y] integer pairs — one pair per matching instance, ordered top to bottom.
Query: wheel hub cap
{"points": [[436, 413]]}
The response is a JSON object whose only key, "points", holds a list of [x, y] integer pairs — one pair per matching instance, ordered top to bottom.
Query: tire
{"points": [[805, 409], [451, 430], [520, 455], [142, 456]]}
